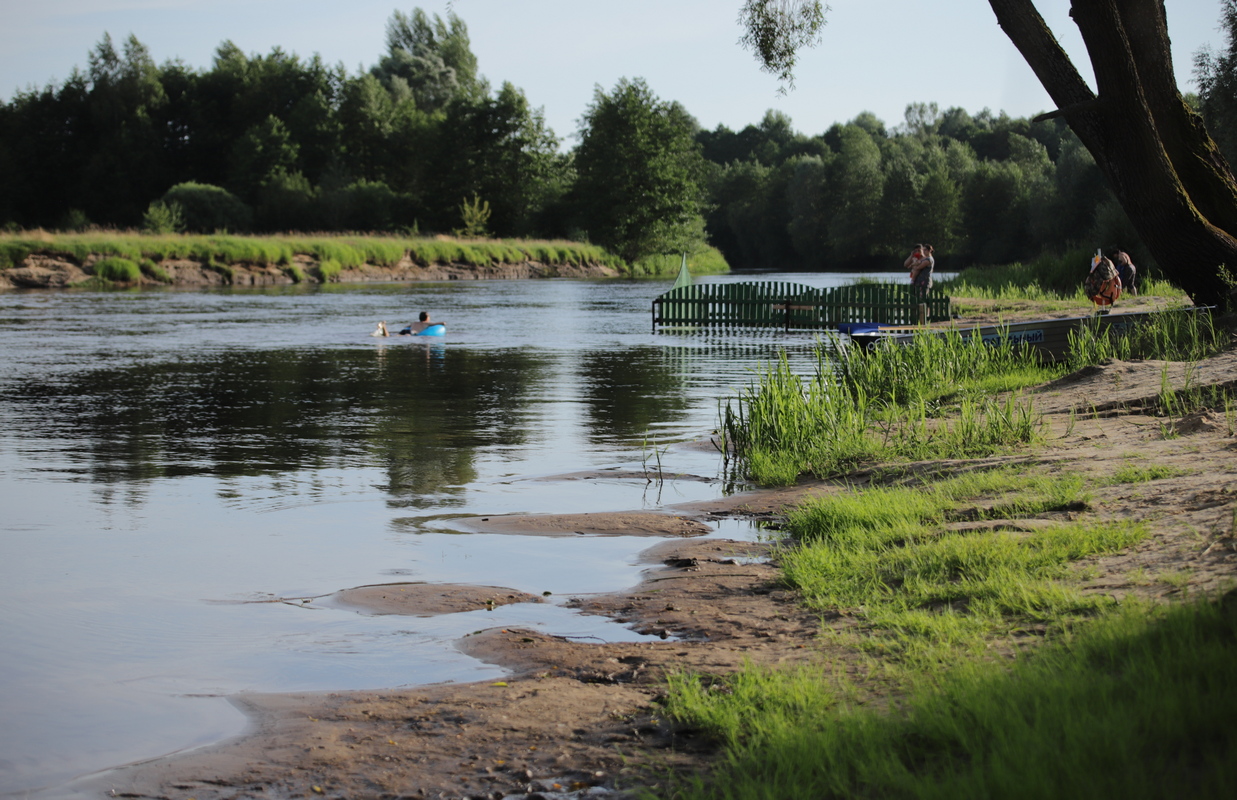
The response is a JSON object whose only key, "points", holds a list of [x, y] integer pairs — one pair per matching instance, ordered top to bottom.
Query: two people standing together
{"points": [[921, 263]]}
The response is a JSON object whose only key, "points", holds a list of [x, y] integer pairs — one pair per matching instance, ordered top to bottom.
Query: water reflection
{"points": [[165, 453]]}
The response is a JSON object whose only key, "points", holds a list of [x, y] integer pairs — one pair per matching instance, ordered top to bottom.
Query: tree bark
{"points": [[1157, 157]]}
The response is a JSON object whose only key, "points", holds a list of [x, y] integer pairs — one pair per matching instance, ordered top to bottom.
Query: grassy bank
{"points": [[344, 252], [1050, 282], [933, 398], [963, 651], [1136, 705]]}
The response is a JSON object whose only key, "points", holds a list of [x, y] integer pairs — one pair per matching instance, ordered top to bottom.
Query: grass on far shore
{"points": [[346, 251]]}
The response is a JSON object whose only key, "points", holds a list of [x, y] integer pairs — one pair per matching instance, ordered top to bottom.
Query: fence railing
{"points": [[772, 304]]}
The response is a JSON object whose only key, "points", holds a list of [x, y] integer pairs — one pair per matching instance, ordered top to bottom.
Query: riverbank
{"points": [[42, 260], [53, 271], [577, 716]]}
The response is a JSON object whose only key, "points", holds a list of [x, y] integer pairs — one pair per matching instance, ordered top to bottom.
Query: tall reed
{"points": [[885, 404]]}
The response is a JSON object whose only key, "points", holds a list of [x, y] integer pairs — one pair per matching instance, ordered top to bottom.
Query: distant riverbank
{"points": [[41, 260]]}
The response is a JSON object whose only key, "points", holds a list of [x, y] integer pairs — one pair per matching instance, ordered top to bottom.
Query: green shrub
{"points": [[361, 206], [207, 208], [161, 217], [74, 220], [13, 253], [708, 261], [121, 270], [329, 270]]}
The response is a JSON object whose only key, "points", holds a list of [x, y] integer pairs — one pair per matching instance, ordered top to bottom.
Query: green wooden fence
{"points": [[770, 304]]}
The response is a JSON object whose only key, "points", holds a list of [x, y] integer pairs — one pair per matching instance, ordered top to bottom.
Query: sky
{"points": [[875, 55]]}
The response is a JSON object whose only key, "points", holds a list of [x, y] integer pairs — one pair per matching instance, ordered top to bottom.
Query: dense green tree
{"points": [[431, 59], [1217, 84], [499, 149], [265, 153], [1158, 158], [639, 169], [856, 185]]}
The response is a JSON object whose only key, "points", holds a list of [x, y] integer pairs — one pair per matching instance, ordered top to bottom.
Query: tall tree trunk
{"points": [[1157, 157]]}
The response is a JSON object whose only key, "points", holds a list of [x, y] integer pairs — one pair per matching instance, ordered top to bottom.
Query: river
{"points": [[185, 475]]}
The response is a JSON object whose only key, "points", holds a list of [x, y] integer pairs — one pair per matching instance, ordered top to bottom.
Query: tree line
{"points": [[421, 142]]}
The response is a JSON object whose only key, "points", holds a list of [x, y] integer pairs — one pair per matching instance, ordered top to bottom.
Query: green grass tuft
{"points": [[120, 270]]}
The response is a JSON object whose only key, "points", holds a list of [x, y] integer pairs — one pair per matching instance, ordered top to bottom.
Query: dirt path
{"points": [[582, 719]]}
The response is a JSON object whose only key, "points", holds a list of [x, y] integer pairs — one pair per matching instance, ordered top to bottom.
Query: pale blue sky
{"points": [[876, 55]]}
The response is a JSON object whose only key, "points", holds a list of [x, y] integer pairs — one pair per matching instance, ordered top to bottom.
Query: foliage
{"points": [[776, 30], [1217, 84], [302, 146], [638, 186], [208, 209], [474, 216], [164, 217], [347, 251], [708, 261], [121, 270], [1183, 334], [882, 405]]}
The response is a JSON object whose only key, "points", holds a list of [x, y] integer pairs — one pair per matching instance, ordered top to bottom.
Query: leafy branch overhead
{"points": [[778, 29]]}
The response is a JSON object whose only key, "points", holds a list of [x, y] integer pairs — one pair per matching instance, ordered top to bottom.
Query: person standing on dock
{"points": [[913, 259], [921, 269], [1125, 269]]}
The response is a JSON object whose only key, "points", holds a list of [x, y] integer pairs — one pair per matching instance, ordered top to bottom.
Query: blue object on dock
{"points": [[851, 328]]}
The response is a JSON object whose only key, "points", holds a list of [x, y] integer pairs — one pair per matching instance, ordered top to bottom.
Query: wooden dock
{"points": [[793, 306]]}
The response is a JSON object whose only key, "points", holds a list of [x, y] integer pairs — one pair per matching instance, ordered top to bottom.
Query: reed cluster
{"points": [[1180, 334], [887, 404]]}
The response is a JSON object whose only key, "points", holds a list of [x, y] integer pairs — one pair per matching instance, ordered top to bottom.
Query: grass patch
{"points": [[350, 251], [708, 261], [329, 269], [120, 270], [1179, 334], [1139, 473], [926, 591], [1121, 700], [1138, 705]]}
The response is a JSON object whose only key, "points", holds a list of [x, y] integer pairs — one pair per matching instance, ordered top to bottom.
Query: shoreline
{"points": [[43, 271], [583, 717]]}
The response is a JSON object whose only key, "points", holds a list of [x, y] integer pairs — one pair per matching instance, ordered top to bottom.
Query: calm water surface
{"points": [[173, 464]]}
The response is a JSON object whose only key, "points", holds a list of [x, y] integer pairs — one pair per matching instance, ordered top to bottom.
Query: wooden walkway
{"points": [[793, 306]]}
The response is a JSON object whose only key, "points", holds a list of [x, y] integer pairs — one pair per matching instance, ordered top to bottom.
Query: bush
{"points": [[286, 202], [361, 206], [208, 208], [161, 217], [74, 220], [121, 270], [329, 270]]}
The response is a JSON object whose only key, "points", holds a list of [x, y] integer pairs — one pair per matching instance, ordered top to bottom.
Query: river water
{"points": [[181, 470]]}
